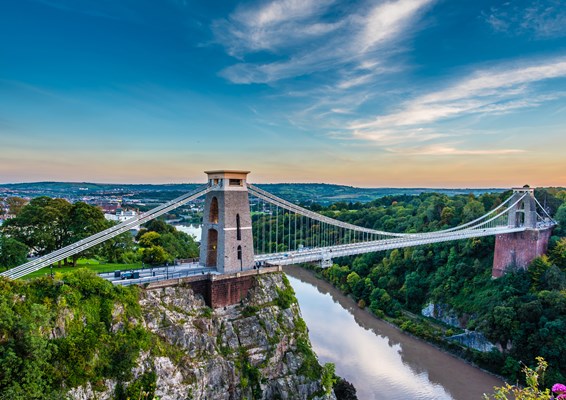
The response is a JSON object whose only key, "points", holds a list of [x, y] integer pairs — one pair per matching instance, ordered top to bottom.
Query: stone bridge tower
{"points": [[227, 242], [518, 249]]}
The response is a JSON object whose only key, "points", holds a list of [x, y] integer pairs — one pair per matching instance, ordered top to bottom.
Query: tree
{"points": [[15, 205], [472, 210], [446, 215], [560, 217], [83, 221], [46, 224], [42, 225], [150, 239], [175, 243], [179, 244], [119, 249], [12, 252], [558, 253], [154, 255], [537, 269], [353, 281], [344, 390]]}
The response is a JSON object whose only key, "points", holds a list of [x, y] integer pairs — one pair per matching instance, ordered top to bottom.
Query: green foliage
{"points": [[15, 204], [46, 224], [150, 239], [162, 243], [12, 252], [154, 255], [286, 296], [249, 310], [206, 312], [58, 334], [310, 366], [250, 375], [328, 377], [141, 389], [532, 391]]}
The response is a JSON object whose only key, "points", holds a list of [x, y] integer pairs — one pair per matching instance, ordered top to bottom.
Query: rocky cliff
{"points": [[258, 349]]}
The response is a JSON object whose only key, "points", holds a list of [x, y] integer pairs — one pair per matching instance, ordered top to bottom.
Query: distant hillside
{"points": [[296, 192], [329, 193]]}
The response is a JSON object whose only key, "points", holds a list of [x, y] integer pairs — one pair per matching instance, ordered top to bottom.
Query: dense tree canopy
{"points": [[45, 225], [161, 243], [12, 252]]}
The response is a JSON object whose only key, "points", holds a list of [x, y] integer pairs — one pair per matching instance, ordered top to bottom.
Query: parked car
{"points": [[127, 275]]}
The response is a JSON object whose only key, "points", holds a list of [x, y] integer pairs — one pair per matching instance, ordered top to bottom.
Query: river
{"points": [[191, 229], [379, 360]]}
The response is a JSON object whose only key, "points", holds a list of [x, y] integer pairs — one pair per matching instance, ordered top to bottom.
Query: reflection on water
{"points": [[195, 230], [378, 359]]}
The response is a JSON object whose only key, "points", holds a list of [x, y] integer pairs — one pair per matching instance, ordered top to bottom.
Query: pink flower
{"points": [[561, 390]]}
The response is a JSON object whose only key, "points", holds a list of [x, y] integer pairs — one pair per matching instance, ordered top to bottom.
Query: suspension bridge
{"points": [[245, 227]]}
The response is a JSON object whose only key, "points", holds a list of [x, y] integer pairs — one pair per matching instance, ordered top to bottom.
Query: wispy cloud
{"points": [[541, 18], [275, 25], [309, 36], [350, 52], [484, 92], [487, 92], [447, 150]]}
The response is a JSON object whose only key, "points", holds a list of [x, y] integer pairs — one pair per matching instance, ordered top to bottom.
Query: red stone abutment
{"points": [[518, 249], [218, 290]]}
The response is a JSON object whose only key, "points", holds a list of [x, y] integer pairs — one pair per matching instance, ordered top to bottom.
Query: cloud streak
{"points": [[306, 37], [496, 91], [484, 92], [447, 150]]}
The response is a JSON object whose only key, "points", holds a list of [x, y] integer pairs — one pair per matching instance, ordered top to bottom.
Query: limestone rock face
{"points": [[253, 350]]}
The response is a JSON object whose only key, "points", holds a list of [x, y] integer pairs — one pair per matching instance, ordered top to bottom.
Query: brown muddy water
{"points": [[379, 360]]}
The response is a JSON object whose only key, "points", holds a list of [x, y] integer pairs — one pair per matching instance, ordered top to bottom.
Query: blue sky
{"points": [[368, 93]]}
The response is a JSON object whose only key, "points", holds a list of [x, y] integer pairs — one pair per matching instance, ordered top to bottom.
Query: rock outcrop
{"points": [[258, 349]]}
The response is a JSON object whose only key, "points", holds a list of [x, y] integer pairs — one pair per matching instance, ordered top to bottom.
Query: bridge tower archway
{"points": [[227, 241], [212, 248]]}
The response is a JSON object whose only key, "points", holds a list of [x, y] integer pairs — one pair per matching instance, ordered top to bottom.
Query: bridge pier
{"points": [[519, 249]]}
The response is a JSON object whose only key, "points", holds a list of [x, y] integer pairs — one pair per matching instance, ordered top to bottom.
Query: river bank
{"points": [[378, 358]]}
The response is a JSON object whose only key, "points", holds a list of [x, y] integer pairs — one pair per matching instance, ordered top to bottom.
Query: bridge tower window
{"points": [[213, 214], [238, 228]]}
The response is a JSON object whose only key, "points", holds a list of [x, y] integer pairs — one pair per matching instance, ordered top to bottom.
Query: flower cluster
{"points": [[560, 390]]}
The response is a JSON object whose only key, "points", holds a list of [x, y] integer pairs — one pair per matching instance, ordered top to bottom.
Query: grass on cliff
{"points": [[90, 264]]}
